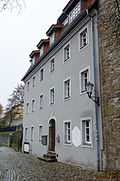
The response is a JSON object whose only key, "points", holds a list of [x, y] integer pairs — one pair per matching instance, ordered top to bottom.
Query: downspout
{"points": [[95, 93]]}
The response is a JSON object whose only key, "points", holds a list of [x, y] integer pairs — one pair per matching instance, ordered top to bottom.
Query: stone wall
{"points": [[109, 49]]}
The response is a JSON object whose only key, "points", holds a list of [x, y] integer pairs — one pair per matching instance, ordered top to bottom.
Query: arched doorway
{"points": [[52, 135]]}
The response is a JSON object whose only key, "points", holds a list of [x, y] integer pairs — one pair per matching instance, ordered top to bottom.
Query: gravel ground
{"points": [[16, 166]]}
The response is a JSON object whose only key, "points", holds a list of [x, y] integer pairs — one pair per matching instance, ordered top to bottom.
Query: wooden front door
{"points": [[52, 135]]}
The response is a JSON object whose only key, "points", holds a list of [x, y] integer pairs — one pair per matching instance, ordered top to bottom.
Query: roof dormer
{"points": [[53, 32], [43, 45], [34, 56]]}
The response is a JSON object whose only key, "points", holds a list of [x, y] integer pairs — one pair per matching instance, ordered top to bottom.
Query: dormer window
{"points": [[75, 12], [54, 32], [52, 38], [41, 51], [34, 56], [33, 60]]}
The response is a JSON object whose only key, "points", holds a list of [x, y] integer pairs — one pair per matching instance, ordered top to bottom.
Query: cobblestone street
{"points": [[16, 166]]}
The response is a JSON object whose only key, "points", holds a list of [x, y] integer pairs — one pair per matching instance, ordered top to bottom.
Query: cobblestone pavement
{"points": [[16, 166]]}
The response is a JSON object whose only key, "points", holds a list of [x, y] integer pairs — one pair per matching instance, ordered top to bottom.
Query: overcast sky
{"points": [[19, 35]]}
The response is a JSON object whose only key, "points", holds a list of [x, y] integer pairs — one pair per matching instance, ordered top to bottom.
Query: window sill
{"points": [[82, 48], [66, 60], [83, 92], [67, 98], [52, 104], [67, 144], [86, 145]]}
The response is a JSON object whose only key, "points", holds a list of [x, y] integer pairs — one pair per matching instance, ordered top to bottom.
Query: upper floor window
{"points": [[75, 12], [52, 38], [83, 38], [41, 51], [66, 52], [52, 65], [41, 74], [84, 78], [33, 81], [28, 86], [67, 89], [52, 96], [41, 101], [33, 105], [27, 108]]}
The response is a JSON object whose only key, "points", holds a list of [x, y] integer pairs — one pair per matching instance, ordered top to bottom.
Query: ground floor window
{"points": [[32, 131], [86, 131], [67, 132]]}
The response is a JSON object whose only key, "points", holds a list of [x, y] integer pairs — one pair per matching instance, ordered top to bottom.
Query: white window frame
{"points": [[73, 14], [52, 38], [79, 38], [41, 51], [65, 51], [33, 60], [52, 66], [41, 73], [81, 73], [33, 81], [64, 89], [52, 97], [41, 100], [33, 105], [27, 107], [26, 133], [32, 133], [40, 134], [65, 134], [85, 143]]}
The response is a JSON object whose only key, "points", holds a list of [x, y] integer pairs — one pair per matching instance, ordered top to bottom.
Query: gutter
{"points": [[59, 39], [95, 93]]}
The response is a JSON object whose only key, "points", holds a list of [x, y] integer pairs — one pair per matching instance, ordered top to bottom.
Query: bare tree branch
{"points": [[11, 5]]}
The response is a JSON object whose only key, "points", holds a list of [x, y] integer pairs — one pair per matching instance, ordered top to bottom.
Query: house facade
{"points": [[58, 115]]}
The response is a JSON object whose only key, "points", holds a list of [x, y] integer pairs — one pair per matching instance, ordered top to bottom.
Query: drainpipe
{"points": [[96, 115]]}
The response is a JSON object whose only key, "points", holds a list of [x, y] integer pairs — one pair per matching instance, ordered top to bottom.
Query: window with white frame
{"points": [[75, 12], [52, 38], [83, 38], [41, 51], [66, 52], [33, 60], [52, 65], [41, 74], [84, 78], [33, 81], [28, 86], [67, 89], [52, 96], [41, 101], [33, 105], [27, 108], [67, 132], [86, 132], [26, 133], [32, 133], [40, 133]]}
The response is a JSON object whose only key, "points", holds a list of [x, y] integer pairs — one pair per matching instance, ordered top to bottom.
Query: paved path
{"points": [[15, 166]]}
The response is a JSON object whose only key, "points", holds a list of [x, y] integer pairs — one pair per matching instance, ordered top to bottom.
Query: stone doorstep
{"points": [[49, 157]]}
